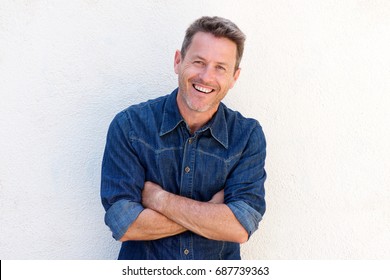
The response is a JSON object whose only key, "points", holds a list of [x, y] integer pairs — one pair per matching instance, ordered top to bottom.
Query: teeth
{"points": [[202, 89]]}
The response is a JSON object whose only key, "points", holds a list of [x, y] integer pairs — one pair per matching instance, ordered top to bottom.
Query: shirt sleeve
{"points": [[122, 178], [244, 189]]}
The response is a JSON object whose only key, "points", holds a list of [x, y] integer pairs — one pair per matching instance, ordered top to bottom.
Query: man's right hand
{"points": [[218, 198]]}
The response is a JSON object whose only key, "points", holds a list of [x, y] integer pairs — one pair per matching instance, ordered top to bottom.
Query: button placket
{"points": [[191, 152], [188, 163], [186, 189]]}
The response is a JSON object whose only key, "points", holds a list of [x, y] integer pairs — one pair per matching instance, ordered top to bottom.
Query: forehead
{"points": [[212, 48]]}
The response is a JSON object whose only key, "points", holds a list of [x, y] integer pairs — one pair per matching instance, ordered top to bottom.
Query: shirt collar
{"points": [[172, 118], [218, 126]]}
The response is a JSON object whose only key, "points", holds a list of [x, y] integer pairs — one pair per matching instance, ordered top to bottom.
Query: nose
{"points": [[207, 74]]}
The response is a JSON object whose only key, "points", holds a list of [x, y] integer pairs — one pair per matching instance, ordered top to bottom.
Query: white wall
{"points": [[316, 74]]}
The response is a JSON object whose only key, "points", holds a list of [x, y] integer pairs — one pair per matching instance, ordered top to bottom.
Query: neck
{"points": [[194, 119]]}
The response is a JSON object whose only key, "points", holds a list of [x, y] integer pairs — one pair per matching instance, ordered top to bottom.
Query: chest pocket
{"points": [[210, 175]]}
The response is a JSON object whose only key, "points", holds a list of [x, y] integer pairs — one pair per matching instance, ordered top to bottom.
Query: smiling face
{"points": [[205, 74]]}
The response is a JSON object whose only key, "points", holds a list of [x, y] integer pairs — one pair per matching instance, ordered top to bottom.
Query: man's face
{"points": [[206, 73]]}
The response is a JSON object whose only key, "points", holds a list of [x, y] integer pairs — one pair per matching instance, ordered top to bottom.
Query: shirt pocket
{"points": [[169, 168], [210, 175]]}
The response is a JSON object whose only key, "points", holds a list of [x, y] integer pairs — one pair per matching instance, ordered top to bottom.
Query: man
{"points": [[183, 175]]}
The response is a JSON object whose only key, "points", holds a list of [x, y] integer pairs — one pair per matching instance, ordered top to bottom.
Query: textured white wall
{"points": [[315, 73]]}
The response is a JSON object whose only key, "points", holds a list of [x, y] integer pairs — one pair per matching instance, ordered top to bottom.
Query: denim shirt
{"points": [[151, 142]]}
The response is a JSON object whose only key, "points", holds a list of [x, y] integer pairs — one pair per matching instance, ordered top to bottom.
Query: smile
{"points": [[202, 89]]}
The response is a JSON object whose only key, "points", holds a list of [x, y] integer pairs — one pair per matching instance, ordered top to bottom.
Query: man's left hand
{"points": [[152, 196]]}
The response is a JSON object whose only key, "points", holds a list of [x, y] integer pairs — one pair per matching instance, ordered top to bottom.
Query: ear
{"points": [[177, 61], [235, 77]]}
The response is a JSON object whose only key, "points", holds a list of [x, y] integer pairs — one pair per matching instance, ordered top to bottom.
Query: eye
{"points": [[198, 63], [221, 68]]}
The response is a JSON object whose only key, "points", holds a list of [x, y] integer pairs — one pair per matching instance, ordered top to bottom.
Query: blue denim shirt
{"points": [[151, 142]]}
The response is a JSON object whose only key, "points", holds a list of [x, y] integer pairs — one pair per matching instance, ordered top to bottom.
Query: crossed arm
{"points": [[167, 214]]}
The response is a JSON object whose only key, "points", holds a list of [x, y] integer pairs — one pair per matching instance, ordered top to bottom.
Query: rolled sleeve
{"points": [[122, 178], [244, 190], [120, 215], [248, 217]]}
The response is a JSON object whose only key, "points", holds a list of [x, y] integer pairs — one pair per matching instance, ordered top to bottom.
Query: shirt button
{"points": [[190, 140], [187, 169], [186, 252]]}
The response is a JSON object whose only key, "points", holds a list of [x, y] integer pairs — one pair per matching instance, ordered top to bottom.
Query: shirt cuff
{"points": [[121, 215], [246, 215]]}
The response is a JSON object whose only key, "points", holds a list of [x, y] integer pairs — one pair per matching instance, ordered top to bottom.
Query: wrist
{"points": [[161, 200]]}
